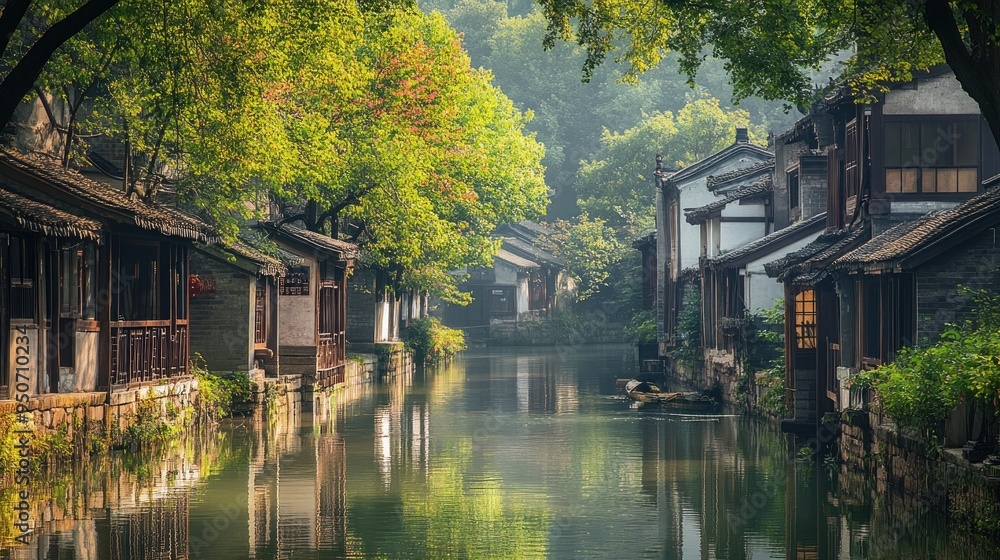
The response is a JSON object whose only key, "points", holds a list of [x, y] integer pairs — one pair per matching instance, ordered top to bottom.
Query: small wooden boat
{"points": [[644, 391]]}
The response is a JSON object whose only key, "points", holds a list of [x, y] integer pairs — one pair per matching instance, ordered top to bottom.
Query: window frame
{"points": [[917, 169], [800, 314]]}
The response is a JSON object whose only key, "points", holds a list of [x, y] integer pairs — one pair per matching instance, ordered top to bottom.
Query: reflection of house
{"points": [[876, 280], [524, 282], [95, 291], [312, 304], [234, 307], [379, 309]]}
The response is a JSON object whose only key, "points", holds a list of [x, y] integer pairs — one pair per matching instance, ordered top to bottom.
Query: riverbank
{"points": [[45, 431], [926, 475]]}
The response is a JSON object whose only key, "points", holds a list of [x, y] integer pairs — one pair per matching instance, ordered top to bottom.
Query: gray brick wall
{"points": [[812, 185], [973, 264], [361, 307], [222, 323]]}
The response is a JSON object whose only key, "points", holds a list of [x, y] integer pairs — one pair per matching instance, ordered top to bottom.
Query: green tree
{"points": [[771, 45], [372, 127], [616, 185], [590, 248]]}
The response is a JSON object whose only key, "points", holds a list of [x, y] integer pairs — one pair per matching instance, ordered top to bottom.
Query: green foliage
{"points": [[769, 46], [570, 116], [375, 119], [616, 185], [590, 248], [641, 327], [431, 341], [688, 348], [760, 348], [921, 387], [220, 395], [149, 427], [52, 446], [8, 453]]}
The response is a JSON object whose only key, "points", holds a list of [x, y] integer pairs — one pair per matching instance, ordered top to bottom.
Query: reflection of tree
{"points": [[452, 514]]}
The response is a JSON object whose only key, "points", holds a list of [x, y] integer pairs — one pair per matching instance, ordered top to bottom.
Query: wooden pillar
{"points": [[105, 300]]}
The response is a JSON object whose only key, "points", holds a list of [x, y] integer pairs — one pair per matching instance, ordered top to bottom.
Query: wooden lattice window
{"points": [[805, 319]]}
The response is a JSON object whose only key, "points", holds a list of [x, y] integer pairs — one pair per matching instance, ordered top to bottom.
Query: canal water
{"points": [[506, 453]]}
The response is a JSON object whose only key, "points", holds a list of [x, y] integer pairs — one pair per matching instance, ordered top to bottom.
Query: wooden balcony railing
{"points": [[143, 351], [330, 358]]}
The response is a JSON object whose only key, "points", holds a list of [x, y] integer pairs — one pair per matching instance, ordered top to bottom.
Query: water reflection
{"points": [[514, 454]]}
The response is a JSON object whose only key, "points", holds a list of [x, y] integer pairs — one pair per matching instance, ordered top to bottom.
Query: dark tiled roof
{"points": [[714, 159], [748, 172], [108, 201], [698, 215], [37, 216], [648, 239], [317, 241], [770, 241], [894, 245], [531, 251], [815, 256], [518, 261], [268, 265]]}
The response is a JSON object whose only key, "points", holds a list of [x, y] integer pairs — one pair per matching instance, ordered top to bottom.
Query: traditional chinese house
{"points": [[923, 147], [679, 244], [524, 282], [94, 284], [312, 304], [234, 307], [380, 309]]}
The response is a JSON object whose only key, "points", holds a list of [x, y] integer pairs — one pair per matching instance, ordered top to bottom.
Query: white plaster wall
{"points": [[941, 95], [694, 193], [735, 209], [737, 234], [505, 273], [763, 292], [522, 295], [382, 311], [297, 314], [86, 361]]}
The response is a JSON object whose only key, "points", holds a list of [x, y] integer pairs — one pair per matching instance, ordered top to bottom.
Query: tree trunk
{"points": [[13, 13], [977, 71], [19, 81]]}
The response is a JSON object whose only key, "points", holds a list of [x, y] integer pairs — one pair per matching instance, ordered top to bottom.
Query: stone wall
{"points": [[812, 185], [973, 265], [361, 307], [221, 321], [88, 415], [932, 477]]}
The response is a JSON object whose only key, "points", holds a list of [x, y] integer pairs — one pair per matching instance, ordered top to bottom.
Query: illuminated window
{"points": [[931, 156], [805, 319]]}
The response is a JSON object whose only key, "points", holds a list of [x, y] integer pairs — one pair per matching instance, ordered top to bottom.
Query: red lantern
{"points": [[194, 285]]}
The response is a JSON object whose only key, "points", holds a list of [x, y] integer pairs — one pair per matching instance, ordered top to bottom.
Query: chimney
{"points": [[742, 137]]}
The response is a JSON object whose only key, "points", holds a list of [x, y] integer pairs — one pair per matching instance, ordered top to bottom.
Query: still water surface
{"points": [[512, 453]]}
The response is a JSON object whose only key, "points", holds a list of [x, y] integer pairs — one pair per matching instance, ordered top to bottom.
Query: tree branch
{"points": [[13, 13], [974, 77], [21, 78], [48, 109], [290, 219]]}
